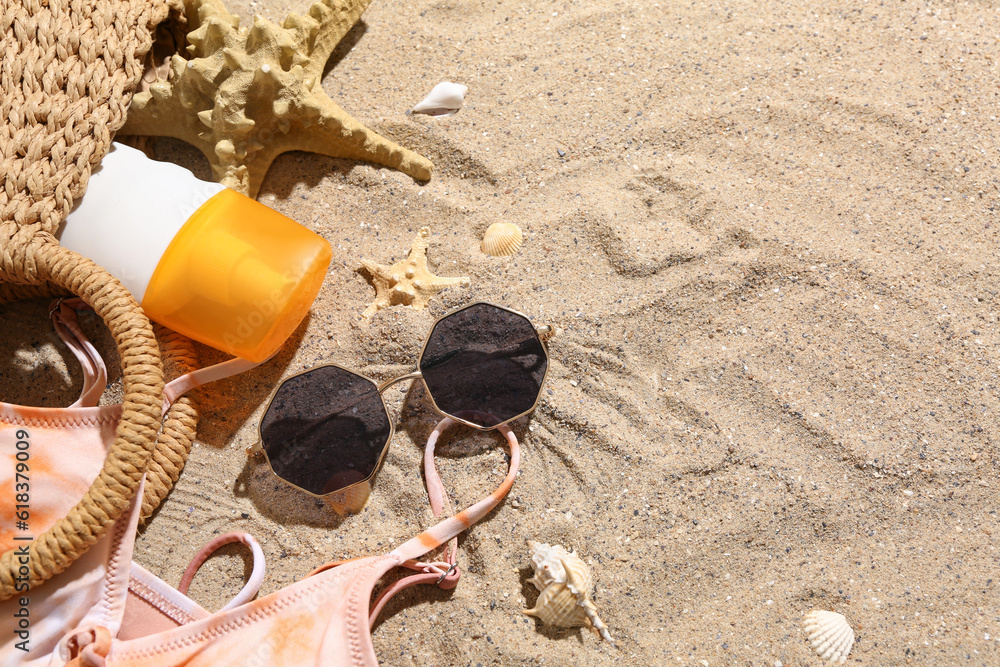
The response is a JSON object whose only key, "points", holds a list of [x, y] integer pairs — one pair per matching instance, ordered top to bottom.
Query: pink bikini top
{"points": [[48, 459], [134, 618], [324, 619]]}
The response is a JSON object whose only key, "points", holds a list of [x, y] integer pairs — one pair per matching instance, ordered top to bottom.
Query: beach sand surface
{"points": [[767, 235]]}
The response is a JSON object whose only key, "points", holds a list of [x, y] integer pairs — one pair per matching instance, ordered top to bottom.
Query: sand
{"points": [[767, 235]]}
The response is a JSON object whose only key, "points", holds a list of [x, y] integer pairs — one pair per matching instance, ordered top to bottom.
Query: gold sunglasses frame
{"points": [[542, 333]]}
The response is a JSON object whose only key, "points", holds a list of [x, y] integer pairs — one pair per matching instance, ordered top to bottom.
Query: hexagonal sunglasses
{"points": [[327, 428]]}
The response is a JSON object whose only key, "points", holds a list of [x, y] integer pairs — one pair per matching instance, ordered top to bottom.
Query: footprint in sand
{"points": [[649, 223]]}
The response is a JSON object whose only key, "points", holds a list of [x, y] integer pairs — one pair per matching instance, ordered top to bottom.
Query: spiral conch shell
{"points": [[445, 99], [502, 239], [565, 583], [829, 634]]}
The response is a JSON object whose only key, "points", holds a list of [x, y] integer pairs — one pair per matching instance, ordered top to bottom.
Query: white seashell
{"points": [[444, 99], [502, 239], [565, 583], [829, 634]]}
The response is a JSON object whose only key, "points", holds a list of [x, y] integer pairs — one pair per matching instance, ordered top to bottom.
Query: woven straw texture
{"points": [[68, 71], [179, 424]]}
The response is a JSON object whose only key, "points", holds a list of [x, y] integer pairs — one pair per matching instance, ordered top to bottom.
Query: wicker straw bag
{"points": [[67, 75]]}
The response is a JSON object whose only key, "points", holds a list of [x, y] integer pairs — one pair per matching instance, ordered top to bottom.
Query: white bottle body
{"points": [[133, 208]]}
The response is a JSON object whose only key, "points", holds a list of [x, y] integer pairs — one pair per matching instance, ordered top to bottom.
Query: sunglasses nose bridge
{"points": [[409, 376]]}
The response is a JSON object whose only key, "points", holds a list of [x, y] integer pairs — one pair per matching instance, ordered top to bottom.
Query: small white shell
{"points": [[444, 99], [502, 239], [829, 634]]}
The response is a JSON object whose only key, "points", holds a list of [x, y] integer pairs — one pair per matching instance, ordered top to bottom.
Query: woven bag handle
{"points": [[180, 424], [110, 493]]}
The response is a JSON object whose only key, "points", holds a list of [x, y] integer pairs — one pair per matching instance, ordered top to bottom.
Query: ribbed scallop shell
{"points": [[502, 239], [351, 500], [565, 583], [829, 634]]}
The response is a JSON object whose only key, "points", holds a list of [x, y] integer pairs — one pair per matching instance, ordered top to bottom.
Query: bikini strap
{"points": [[95, 373], [180, 385], [451, 527], [444, 573], [255, 580]]}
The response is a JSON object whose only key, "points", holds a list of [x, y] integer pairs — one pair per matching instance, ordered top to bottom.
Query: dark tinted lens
{"points": [[484, 364], [325, 430]]}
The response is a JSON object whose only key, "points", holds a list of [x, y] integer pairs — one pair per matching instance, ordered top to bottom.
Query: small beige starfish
{"points": [[246, 95], [408, 282]]}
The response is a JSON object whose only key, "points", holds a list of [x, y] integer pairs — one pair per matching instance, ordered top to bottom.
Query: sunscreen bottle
{"points": [[201, 259]]}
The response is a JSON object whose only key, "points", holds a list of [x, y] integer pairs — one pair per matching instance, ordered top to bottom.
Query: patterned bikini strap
{"points": [[95, 374], [445, 573], [89, 646]]}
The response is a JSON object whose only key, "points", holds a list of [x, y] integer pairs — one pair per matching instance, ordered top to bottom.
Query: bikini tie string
{"points": [[89, 647]]}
